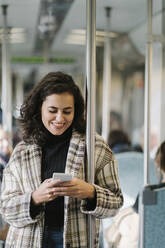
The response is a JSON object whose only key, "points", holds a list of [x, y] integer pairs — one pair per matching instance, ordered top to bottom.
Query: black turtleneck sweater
{"points": [[54, 155]]}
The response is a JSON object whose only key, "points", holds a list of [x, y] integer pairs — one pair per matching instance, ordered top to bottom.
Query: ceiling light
{"points": [[98, 33], [14, 35], [78, 36], [81, 40]]}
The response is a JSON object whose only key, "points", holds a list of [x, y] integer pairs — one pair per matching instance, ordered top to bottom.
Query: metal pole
{"points": [[148, 71], [6, 77], [106, 79], [91, 88], [147, 94], [19, 95], [162, 116]]}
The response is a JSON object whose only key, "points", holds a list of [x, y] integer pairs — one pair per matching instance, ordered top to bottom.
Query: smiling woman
{"points": [[56, 95], [58, 112], [32, 201]]}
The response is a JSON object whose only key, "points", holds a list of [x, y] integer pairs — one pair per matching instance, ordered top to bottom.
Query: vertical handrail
{"points": [[148, 71], [6, 77], [106, 79], [19, 95], [91, 95], [162, 116]]}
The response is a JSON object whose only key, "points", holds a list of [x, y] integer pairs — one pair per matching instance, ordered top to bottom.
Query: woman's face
{"points": [[57, 112], [157, 161]]}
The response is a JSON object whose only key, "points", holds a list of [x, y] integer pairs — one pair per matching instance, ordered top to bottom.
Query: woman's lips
{"points": [[58, 126]]}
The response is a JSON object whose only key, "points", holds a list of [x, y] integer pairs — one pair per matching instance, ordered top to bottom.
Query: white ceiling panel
{"points": [[22, 14], [127, 16]]}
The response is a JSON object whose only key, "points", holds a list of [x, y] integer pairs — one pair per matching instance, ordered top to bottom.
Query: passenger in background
{"points": [[116, 121], [119, 141], [5, 147], [5, 153], [160, 162], [131, 165], [33, 203], [124, 230]]}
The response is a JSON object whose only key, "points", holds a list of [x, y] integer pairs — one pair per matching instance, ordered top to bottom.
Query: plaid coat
{"points": [[23, 175]]}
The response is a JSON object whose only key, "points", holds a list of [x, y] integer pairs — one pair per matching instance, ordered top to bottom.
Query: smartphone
{"points": [[62, 176]]}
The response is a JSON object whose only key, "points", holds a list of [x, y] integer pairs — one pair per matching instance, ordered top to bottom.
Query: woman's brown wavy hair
{"points": [[33, 130], [160, 156]]}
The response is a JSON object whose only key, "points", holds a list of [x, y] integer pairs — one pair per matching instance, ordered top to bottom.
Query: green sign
{"points": [[40, 60]]}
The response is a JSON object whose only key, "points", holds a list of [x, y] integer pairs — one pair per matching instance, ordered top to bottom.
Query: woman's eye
{"points": [[52, 111], [67, 113]]}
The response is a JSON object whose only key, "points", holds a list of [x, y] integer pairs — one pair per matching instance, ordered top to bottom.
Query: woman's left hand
{"points": [[75, 188]]}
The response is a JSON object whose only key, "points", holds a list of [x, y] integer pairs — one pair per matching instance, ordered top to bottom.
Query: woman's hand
{"points": [[75, 188], [45, 192], [3, 232]]}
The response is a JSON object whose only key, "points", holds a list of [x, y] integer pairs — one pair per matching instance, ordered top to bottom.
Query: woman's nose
{"points": [[59, 116]]}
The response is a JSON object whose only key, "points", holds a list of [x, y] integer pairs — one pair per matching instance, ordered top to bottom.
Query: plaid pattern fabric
{"points": [[23, 175]]}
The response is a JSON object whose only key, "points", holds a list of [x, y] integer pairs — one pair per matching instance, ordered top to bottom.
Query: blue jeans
{"points": [[52, 238]]}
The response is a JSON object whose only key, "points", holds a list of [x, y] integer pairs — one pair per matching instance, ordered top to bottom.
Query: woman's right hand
{"points": [[45, 192]]}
